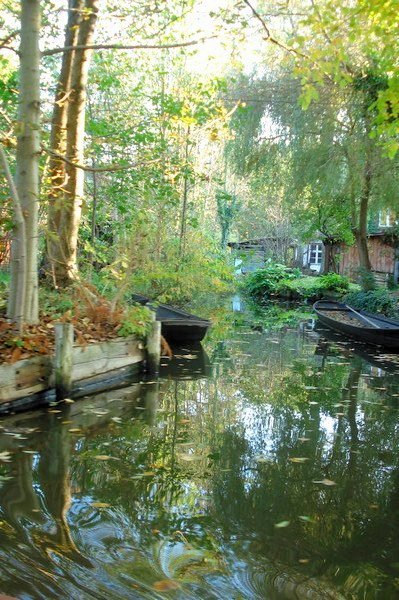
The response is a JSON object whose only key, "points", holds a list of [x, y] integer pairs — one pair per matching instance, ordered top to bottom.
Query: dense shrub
{"points": [[279, 280], [265, 281], [313, 287], [374, 301]]}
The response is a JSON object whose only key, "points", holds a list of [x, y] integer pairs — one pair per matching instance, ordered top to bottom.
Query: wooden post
{"points": [[153, 348], [63, 359], [151, 399]]}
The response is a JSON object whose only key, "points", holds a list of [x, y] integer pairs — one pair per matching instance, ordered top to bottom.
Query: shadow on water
{"points": [[267, 471]]}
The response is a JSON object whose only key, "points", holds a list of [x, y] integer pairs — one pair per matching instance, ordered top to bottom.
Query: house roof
{"points": [[258, 243]]}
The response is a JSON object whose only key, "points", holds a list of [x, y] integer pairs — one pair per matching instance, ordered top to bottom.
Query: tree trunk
{"points": [[57, 173], [361, 231], [182, 237], [64, 248], [23, 300]]}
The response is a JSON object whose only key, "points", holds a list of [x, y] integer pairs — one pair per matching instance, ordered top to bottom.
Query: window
{"points": [[315, 254]]}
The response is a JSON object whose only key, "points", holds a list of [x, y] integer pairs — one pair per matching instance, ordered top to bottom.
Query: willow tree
{"points": [[23, 299]]}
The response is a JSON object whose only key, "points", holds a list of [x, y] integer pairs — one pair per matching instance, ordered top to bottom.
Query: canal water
{"points": [[264, 467]]}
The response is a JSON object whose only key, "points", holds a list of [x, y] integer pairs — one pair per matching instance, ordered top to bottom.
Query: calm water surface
{"points": [[267, 469]]}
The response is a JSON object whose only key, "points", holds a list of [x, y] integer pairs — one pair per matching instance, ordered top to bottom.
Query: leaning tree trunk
{"points": [[56, 169], [361, 231], [64, 248], [23, 300]]}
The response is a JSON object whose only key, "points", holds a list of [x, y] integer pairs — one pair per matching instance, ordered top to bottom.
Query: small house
{"points": [[251, 255]]}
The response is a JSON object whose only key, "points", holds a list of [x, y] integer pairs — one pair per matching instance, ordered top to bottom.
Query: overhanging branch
{"points": [[125, 47], [104, 169]]}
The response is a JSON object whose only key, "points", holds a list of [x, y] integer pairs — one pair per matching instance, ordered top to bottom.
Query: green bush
{"points": [[266, 281], [285, 282], [334, 282], [4, 284], [313, 287], [373, 301], [136, 321]]}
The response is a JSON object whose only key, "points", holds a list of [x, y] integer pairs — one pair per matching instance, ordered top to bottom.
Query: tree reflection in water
{"points": [[275, 476]]}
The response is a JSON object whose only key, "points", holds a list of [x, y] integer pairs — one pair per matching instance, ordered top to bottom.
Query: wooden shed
{"points": [[383, 252]]}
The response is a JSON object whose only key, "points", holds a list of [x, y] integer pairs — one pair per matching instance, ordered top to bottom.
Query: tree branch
{"points": [[269, 36], [8, 38], [125, 47], [105, 169]]}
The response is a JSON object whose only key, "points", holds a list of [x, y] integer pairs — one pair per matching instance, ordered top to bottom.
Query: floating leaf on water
{"points": [[75, 430], [104, 457], [191, 457], [262, 459], [298, 459], [325, 482], [100, 504], [282, 524], [304, 561], [166, 585]]}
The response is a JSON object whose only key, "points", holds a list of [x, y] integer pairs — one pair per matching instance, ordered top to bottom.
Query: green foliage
{"points": [[228, 206], [178, 280], [279, 280], [367, 280], [263, 282], [4, 283], [313, 287], [374, 301], [55, 303], [277, 317], [136, 321]]}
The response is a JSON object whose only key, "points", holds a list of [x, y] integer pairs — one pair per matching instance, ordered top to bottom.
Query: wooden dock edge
{"points": [[95, 368]]}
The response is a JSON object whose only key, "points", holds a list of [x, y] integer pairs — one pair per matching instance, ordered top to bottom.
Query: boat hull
{"points": [[178, 326], [387, 334]]}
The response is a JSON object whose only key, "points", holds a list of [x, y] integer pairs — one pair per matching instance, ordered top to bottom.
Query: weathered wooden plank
{"points": [[102, 365], [36, 374], [24, 377]]}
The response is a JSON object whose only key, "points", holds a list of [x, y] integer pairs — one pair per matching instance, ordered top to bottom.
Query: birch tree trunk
{"points": [[64, 242], [23, 300]]}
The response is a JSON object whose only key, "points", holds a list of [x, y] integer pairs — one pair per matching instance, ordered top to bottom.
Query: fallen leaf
{"points": [[325, 482], [282, 524], [165, 585]]}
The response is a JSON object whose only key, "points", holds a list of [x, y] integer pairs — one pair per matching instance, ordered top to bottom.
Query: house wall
{"points": [[382, 257]]}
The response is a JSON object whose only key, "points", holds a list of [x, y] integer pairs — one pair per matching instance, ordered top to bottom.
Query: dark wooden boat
{"points": [[178, 326], [370, 328]]}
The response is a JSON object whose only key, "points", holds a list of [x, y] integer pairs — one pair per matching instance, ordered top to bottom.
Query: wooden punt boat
{"points": [[178, 326], [369, 328]]}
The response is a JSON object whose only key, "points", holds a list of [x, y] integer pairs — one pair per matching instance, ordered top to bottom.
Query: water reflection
{"points": [[273, 476]]}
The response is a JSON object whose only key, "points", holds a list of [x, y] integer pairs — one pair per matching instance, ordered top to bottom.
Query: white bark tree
{"points": [[23, 300]]}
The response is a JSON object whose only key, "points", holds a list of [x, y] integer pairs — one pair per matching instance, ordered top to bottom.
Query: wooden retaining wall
{"points": [[34, 375]]}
